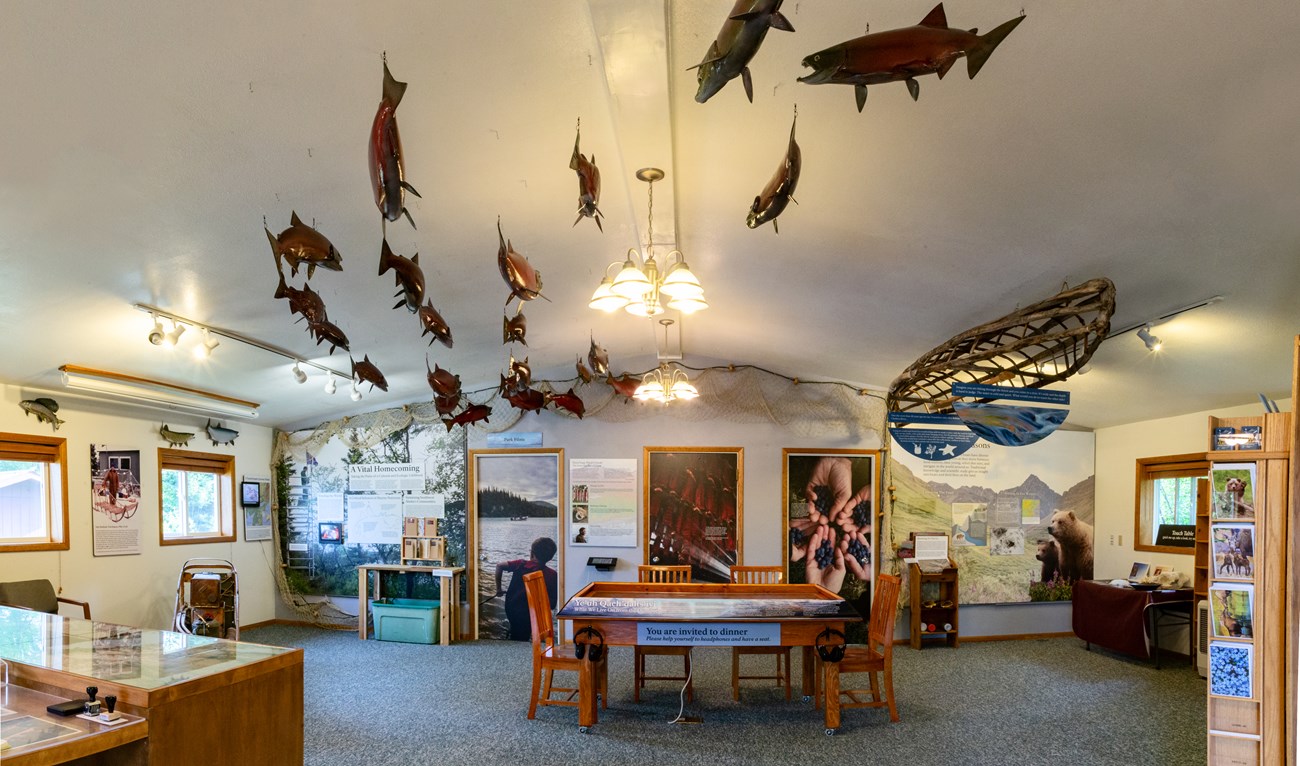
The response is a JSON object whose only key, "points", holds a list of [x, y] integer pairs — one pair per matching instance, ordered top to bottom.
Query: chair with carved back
{"points": [[662, 574], [759, 576], [549, 655], [875, 657]]}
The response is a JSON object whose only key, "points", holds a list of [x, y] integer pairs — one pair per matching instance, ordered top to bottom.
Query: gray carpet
{"points": [[1046, 701]]}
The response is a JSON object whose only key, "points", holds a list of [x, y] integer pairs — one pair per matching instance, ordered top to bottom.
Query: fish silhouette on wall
{"points": [[736, 44], [931, 47], [387, 168], [588, 183], [779, 191], [300, 244], [407, 275], [524, 281], [44, 408], [175, 438]]}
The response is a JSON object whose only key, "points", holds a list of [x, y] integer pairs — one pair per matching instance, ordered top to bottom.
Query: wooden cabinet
{"points": [[421, 541], [933, 586]]}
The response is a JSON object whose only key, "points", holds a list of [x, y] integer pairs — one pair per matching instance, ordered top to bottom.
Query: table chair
{"points": [[663, 574], [759, 576], [38, 596], [549, 655], [877, 656]]}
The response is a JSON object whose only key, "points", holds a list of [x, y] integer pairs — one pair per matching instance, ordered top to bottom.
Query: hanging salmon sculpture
{"points": [[737, 42], [931, 47], [387, 170], [588, 183], [779, 191], [301, 244], [408, 275], [524, 281], [306, 302], [434, 324], [515, 329], [325, 331], [598, 358], [365, 371], [584, 374], [442, 381], [624, 385], [568, 401], [472, 414]]}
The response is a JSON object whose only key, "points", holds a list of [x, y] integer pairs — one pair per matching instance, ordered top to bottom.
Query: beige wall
{"points": [[137, 590]]}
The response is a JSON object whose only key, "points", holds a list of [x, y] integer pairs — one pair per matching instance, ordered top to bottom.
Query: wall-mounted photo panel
{"points": [[1233, 487], [602, 502], [515, 507], [693, 509], [1232, 547], [1232, 610], [1232, 669]]}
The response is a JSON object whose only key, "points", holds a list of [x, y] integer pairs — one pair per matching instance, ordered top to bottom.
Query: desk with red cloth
{"points": [[1115, 617]]}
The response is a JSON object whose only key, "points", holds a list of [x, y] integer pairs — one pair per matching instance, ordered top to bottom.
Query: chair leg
{"points": [[546, 687], [875, 687], [889, 692], [532, 701]]}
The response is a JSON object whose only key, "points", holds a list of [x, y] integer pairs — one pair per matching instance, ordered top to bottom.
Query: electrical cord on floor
{"points": [[682, 697]]}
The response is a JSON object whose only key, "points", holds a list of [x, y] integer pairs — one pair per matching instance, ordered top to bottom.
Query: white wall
{"points": [[137, 590]]}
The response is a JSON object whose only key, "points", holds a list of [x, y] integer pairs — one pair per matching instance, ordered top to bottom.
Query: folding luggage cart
{"points": [[207, 599]]}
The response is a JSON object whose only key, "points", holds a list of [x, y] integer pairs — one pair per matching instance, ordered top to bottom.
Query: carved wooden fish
{"points": [[737, 42], [931, 47], [387, 169], [588, 185], [780, 189], [301, 243], [407, 274], [524, 281], [306, 302], [434, 324], [514, 329], [325, 331], [598, 358], [365, 371], [583, 373], [442, 381], [624, 385], [527, 399], [569, 401], [446, 404], [44, 409], [472, 414], [220, 434], [175, 438]]}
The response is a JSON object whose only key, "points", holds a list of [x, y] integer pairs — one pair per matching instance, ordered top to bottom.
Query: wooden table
{"points": [[448, 594], [706, 614], [1116, 618], [120, 744]]}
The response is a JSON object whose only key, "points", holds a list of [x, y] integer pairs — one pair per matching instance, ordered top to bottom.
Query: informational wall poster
{"points": [[386, 477], [115, 500], [427, 505], [602, 507], [693, 509], [257, 517], [374, 519]]}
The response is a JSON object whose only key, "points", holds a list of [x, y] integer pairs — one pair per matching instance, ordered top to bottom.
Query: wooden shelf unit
{"points": [[421, 541], [939, 587]]}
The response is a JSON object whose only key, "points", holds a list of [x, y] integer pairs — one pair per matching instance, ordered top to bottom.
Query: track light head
{"points": [[156, 334], [172, 338], [1152, 342], [298, 373], [330, 385], [356, 392]]}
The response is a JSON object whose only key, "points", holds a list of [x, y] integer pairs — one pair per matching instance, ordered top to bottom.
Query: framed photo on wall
{"points": [[831, 498], [516, 508], [693, 509], [257, 516]]}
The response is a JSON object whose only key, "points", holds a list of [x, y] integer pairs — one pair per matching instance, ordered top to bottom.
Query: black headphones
{"points": [[592, 650], [830, 652]]}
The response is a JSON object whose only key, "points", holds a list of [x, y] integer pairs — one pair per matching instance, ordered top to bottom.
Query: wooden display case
{"points": [[421, 541], [934, 602]]}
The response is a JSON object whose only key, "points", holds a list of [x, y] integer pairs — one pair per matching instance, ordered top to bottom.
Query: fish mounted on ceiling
{"points": [[736, 44], [931, 47], [387, 167], [588, 183], [779, 191], [300, 244], [407, 275], [524, 281], [306, 302], [434, 324], [515, 329], [325, 331], [597, 358], [365, 371], [584, 374], [442, 381], [624, 385], [527, 399], [568, 401], [446, 404], [44, 408], [471, 414], [219, 434], [175, 438]]}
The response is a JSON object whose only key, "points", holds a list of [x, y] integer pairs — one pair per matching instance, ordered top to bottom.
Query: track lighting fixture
{"points": [[156, 334], [172, 338], [1152, 342], [205, 348], [298, 374], [330, 386], [356, 392]]}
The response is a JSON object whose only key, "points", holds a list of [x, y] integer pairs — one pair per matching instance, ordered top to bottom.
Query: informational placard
{"points": [[1013, 393], [514, 439], [934, 443], [386, 477], [115, 500], [329, 506], [430, 506], [602, 507], [257, 517], [374, 519], [1176, 535], [708, 634]]}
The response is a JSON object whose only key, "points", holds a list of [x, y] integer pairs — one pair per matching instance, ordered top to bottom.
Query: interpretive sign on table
{"points": [[708, 634]]}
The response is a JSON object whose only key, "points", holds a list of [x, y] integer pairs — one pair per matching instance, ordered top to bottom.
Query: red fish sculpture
{"points": [[737, 42], [931, 47], [387, 169], [588, 183], [779, 191], [300, 244], [407, 274], [524, 281], [306, 302], [434, 324], [514, 329], [325, 331], [598, 358], [365, 371], [584, 374], [442, 381], [625, 385], [527, 399], [568, 401], [446, 404], [472, 414]]}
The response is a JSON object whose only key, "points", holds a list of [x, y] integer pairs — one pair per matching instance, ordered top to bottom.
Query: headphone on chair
{"points": [[593, 650], [829, 652]]}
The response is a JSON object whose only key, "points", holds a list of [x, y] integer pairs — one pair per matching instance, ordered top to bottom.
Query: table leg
{"points": [[363, 602], [444, 634], [809, 677], [588, 684], [831, 687]]}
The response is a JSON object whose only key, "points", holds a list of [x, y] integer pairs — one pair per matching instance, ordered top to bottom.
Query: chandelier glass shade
{"points": [[664, 385]]}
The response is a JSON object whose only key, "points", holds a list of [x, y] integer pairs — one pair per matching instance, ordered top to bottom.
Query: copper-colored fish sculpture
{"points": [[737, 42], [931, 47], [387, 169], [588, 184], [779, 191], [300, 244], [407, 274], [524, 281], [306, 302], [434, 324], [514, 329], [325, 331], [598, 359], [365, 371], [521, 371], [584, 374], [442, 381], [625, 385], [527, 399], [568, 401], [446, 404], [472, 414]]}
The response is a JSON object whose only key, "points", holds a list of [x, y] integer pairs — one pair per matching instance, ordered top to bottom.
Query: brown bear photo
{"points": [[1074, 536], [1049, 552]]}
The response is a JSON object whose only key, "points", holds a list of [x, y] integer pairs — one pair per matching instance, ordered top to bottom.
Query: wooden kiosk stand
{"points": [[933, 586]]}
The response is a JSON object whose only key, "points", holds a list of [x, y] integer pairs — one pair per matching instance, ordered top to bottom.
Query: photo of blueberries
{"points": [[1230, 669]]}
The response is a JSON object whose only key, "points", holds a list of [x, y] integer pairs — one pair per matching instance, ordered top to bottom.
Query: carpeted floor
{"points": [[1046, 701]]}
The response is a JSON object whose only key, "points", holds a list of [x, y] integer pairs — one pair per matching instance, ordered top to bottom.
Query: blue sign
{"points": [[1014, 393], [924, 417], [515, 439], [934, 443]]}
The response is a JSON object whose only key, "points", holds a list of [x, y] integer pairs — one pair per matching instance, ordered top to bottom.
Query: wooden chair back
{"points": [[665, 573], [758, 575], [884, 608], [539, 612]]}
